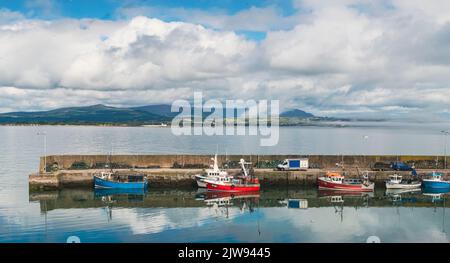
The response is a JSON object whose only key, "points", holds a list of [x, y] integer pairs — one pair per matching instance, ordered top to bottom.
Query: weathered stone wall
{"points": [[167, 161]]}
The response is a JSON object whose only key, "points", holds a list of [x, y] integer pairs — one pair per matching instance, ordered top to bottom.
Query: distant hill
{"points": [[161, 110], [296, 113], [96, 114]]}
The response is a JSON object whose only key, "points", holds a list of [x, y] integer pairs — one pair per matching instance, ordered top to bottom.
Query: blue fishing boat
{"points": [[120, 181], [435, 181]]}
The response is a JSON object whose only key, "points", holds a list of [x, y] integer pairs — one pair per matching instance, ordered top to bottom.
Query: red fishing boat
{"points": [[333, 180], [243, 183], [236, 185]]}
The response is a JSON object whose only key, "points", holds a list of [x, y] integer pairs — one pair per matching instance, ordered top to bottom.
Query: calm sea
{"points": [[184, 215]]}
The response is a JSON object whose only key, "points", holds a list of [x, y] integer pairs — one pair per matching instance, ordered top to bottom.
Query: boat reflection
{"points": [[325, 193], [436, 194], [137, 195], [402, 196], [109, 197], [337, 198], [438, 198], [246, 201]]}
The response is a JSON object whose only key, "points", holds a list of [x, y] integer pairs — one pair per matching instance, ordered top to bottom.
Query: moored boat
{"points": [[214, 174], [334, 180], [120, 181], [435, 181], [245, 182], [397, 182], [235, 185]]}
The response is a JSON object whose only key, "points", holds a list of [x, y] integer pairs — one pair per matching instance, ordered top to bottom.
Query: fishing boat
{"points": [[214, 174], [111, 180], [336, 181], [395, 181], [435, 181], [244, 182]]}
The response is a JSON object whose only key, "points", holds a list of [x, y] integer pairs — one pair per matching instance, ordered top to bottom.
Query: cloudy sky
{"points": [[334, 58]]}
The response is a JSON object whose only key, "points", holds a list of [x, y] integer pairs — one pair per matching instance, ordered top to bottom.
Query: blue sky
{"points": [[106, 8], [109, 9]]}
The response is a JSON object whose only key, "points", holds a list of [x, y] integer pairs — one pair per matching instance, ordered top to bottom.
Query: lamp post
{"points": [[445, 133], [45, 149]]}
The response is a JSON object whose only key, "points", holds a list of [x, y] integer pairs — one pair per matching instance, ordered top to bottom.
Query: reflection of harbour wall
{"points": [[65, 162], [179, 170], [84, 198]]}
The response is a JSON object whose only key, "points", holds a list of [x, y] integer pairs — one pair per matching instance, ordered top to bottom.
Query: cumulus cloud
{"points": [[92, 54], [348, 57]]}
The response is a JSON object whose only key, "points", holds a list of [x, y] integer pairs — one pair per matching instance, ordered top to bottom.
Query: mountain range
{"points": [[296, 113], [101, 114]]}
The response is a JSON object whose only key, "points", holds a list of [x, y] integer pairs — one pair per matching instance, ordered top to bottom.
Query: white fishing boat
{"points": [[214, 174], [397, 182]]}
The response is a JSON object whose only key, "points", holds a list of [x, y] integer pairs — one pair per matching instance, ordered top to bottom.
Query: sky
{"points": [[363, 58]]}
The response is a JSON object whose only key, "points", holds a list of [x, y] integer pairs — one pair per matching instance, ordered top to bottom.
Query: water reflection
{"points": [[110, 197], [169, 198], [221, 201], [275, 215]]}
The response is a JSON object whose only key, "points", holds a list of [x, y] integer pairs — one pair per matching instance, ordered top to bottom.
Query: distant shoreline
{"points": [[332, 124]]}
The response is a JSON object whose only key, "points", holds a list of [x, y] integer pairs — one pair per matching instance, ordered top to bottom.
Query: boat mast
{"points": [[242, 162]]}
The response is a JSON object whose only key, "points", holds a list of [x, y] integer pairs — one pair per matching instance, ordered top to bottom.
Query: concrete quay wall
{"points": [[67, 162]]}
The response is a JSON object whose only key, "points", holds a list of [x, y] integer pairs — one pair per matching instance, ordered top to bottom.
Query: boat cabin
{"points": [[215, 173], [435, 176], [334, 177], [123, 178], [219, 178], [395, 179]]}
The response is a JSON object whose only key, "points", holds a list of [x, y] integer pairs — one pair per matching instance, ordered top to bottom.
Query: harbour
{"points": [[170, 170], [288, 208]]}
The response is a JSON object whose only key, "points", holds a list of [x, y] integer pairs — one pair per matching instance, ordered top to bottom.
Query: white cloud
{"points": [[346, 57]]}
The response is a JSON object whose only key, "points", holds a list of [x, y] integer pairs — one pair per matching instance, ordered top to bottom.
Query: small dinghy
{"points": [[396, 182]]}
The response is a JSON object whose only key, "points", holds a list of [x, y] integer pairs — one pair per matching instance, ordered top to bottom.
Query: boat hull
{"points": [[200, 181], [106, 184], [324, 184], [435, 184], [232, 187]]}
